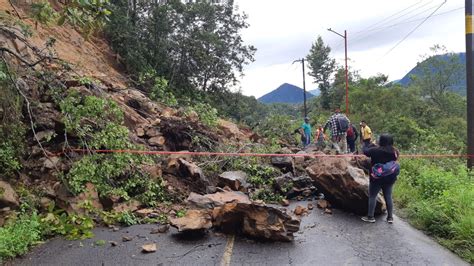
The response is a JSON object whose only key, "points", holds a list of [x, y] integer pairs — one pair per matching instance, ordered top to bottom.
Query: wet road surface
{"points": [[337, 239]]}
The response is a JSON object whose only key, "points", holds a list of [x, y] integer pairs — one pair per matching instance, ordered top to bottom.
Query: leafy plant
{"points": [[43, 13], [88, 15], [207, 114], [98, 124], [181, 213], [17, 236]]}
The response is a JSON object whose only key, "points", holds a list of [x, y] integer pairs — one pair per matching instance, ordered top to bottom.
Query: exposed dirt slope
{"points": [[91, 58]]}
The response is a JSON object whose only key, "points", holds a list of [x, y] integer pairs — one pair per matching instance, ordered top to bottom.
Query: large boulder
{"points": [[284, 163], [188, 170], [193, 172], [235, 180], [344, 185], [8, 196], [210, 201], [74, 204], [234, 212], [194, 220], [254, 220]]}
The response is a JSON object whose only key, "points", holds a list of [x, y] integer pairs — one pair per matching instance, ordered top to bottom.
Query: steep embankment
{"points": [[92, 58], [74, 96]]}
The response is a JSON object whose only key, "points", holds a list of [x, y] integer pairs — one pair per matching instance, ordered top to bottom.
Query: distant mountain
{"points": [[459, 86], [315, 92], [285, 93]]}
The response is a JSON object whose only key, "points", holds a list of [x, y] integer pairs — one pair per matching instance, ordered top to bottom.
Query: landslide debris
{"points": [[78, 103], [234, 212]]}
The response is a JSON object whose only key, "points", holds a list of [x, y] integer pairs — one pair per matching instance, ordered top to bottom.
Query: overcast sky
{"points": [[283, 30]]}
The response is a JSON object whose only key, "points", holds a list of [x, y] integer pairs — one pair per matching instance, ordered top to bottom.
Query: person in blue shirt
{"points": [[307, 132]]}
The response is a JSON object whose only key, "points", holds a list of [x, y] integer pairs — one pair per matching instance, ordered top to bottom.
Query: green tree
{"points": [[195, 46], [321, 67], [439, 72]]}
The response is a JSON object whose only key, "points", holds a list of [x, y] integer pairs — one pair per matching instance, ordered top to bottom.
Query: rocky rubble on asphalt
{"points": [[156, 127], [234, 212]]}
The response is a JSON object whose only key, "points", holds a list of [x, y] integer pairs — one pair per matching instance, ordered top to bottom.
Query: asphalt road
{"points": [[337, 239]]}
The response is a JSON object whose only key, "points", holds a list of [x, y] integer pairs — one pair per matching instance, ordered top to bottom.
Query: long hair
{"points": [[386, 143]]}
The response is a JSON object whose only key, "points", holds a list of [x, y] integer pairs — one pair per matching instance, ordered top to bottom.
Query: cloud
{"points": [[283, 31]]}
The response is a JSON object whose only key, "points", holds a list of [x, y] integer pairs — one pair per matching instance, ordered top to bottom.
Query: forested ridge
{"points": [[161, 76]]}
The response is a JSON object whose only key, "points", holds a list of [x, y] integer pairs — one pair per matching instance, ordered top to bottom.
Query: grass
{"points": [[438, 198], [17, 237]]}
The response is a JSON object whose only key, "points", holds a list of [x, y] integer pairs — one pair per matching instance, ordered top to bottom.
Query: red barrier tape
{"points": [[264, 154]]}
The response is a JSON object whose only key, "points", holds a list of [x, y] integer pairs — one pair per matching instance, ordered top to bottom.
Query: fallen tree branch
{"points": [[14, 9], [3, 49]]}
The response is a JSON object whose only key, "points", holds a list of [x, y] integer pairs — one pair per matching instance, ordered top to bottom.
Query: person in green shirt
{"points": [[306, 131]]}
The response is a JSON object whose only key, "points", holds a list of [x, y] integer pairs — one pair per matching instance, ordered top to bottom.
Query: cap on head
{"points": [[337, 110], [306, 119]]}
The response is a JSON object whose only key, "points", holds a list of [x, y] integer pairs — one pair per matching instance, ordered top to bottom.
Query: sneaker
{"points": [[368, 219], [390, 220]]}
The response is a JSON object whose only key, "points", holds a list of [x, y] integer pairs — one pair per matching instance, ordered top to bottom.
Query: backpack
{"points": [[342, 123], [350, 132], [380, 170]]}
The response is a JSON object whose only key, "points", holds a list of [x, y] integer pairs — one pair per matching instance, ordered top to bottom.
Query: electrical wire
{"points": [[418, 19], [385, 20], [417, 26], [376, 30], [362, 33]]}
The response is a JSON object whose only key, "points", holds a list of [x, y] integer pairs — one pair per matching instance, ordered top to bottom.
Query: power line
{"points": [[418, 19], [384, 20], [405, 22], [421, 23], [388, 26]]}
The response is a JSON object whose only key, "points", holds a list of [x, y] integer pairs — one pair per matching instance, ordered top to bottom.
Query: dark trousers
{"points": [[351, 143], [386, 185]]}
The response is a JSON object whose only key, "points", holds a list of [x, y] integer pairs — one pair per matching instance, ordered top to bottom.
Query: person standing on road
{"points": [[338, 123], [307, 132], [365, 134], [352, 136], [320, 137], [383, 174]]}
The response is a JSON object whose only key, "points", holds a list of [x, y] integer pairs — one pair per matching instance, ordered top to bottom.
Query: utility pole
{"points": [[347, 73], [470, 84], [304, 86]]}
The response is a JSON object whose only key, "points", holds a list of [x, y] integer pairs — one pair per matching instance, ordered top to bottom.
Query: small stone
{"points": [[140, 132], [307, 193], [299, 198], [285, 202], [322, 204], [310, 206], [299, 210], [327, 211], [143, 212], [115, 228], [160, 230], [126, 238], [113, 243], [149, 248]]}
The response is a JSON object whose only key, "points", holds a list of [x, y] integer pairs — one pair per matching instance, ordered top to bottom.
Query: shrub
{"points": [[43, 13], [98, 124], [436, 196], [19, 235]]}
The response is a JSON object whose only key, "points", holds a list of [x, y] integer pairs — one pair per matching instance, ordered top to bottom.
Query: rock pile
{"points": [[234, 212]]}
